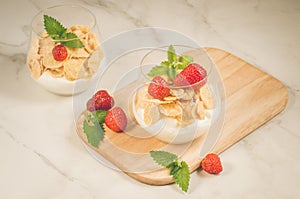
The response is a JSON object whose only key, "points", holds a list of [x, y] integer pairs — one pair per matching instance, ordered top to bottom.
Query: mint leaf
{"points": [[53, 27], [58, 32], [73, 41], [172, 57], [184, 60], [165, 63], [173, 66], [179, 66], [159, 70], [172, 72], [100, 115], [93, 130], [163, 158], [173, 168], [179, 170], [182, 176]]}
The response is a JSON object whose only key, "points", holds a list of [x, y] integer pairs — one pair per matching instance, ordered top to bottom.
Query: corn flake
{"points": [[83, 29], [92, 41], [46, 45], [78, 53], [94, 61], [49, 62], [80, 63], [35, 68], [74, 69], [56, 73], [206, 97], [171, 109], [200, 110], [151, 113]]}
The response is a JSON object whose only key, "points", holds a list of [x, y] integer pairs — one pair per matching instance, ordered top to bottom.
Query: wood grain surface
{"points": [[252, 98]]}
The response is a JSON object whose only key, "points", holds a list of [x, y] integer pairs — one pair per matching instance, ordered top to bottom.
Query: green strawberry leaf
{"points": [[53, 27], [73, 41], [172, 57], [93, 130], [163, 158], [182, 176]]}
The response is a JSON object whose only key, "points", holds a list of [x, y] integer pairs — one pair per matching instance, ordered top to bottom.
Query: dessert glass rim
{"points": [[44, 11], [163, 48]]}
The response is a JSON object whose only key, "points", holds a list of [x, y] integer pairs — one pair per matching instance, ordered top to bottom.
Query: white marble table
{"points": [[41, 156]]}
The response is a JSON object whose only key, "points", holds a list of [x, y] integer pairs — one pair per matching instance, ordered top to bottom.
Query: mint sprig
{"points": [[58, 32], [171, 66], [93, 127], [179, 170]]}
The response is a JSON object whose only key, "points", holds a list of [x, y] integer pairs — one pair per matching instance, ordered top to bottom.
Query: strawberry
{"points": [[59, 53], [192, 74], [159, 88], [101, 100], [90, 105], [116, 119], [212, 164]]}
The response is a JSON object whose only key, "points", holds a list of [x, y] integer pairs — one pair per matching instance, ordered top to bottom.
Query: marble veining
{"points": [[41, 156]]}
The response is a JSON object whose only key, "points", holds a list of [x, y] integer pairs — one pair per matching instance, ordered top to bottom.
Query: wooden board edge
{"points": [[219, 148], [167, 179]]}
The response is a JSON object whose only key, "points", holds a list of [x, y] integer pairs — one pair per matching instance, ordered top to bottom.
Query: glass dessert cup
{"points": [[78, 70], [187, 110]]}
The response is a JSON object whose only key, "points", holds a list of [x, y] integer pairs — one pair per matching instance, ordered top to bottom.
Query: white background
{"points": [[42, 158]]}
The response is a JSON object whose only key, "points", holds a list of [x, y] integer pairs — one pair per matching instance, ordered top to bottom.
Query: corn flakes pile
{"points": [[80, 63], [184, 105]]}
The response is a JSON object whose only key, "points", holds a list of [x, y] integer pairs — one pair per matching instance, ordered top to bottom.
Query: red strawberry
{"points": [[59, 53], [192, 74], [159, 88], [101, 100], [90, 105], [116, 119], [212, 164]]}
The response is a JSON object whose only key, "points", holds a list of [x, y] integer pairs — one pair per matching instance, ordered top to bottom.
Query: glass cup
{"points": [[75, 73], [187, 108]]}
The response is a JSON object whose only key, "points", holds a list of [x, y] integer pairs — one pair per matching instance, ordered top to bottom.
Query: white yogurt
{"points": [[63, 86]]}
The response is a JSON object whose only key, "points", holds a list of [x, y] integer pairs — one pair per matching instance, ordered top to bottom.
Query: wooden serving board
{"points": [[252, 98]]}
